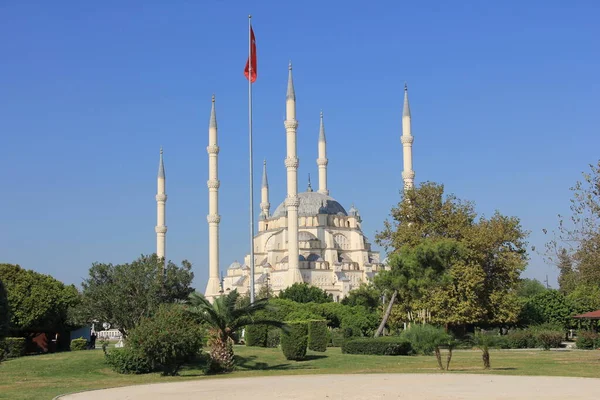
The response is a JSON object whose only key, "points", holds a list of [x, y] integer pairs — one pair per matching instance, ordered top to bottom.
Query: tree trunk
{"points": [[387, 314], [221, 353], [438, 357], [448, 358], [486, 359]]}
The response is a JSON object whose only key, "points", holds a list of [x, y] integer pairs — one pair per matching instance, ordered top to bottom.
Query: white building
{"points": [[310, 237]]}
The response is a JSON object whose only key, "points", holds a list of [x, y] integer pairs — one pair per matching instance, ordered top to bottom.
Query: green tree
{"points": [[575, 246], [415, 270], [479, 284], [527, 288], [304, 293], [123, 294], [366, 295], [585, 298], [38, 302], [550, 306], [4, 313], [224, 320]]}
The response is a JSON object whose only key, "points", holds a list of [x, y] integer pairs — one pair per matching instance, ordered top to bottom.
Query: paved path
{"points": [[363, 387]]}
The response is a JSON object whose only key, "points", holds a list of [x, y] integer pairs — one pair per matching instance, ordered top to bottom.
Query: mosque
{"points": [[310, 237]]}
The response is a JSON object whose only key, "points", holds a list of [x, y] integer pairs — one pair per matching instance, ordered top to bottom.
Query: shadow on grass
{"points": [[250, 364]]}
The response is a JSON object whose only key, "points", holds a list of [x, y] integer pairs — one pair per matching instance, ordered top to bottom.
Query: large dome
{"points": [[311, 204]]}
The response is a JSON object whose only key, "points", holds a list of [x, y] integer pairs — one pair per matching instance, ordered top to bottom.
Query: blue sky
{"points": [[504, 100]]}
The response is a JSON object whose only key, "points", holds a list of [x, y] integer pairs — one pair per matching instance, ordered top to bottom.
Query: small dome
{"points": [[312, 204], [353, 211], [314, 257], [235, 265]]}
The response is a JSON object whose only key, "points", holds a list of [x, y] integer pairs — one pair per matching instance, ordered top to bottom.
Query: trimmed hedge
{"points": [[256, 335], [317, 335], [273, 337], [336, 338], [549, 339], [521, 340], [587, 340], [295, 341], [78, 344], [382, 346], [14, 347], [126, 361]]}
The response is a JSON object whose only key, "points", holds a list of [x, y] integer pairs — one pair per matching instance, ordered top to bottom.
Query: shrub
{"points": [[256, 335], [317, 335], [273, 337], [336, 338], [424, 339], [521, 339], [549, 339], [167, 340], [295, 340], [587, 340], [78, 344], [382, 346], [14, 347], [127, 361]]}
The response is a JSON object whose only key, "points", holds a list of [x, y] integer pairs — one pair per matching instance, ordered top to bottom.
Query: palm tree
{"points": [[224, 319], [483, 341]]}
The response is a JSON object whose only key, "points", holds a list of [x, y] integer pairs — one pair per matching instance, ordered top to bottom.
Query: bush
{"points": [[256, 335], [317, 335], [273, 337], [336, 338], [425, 338], [521, 339], [549, 339], [167, 340], [295, 340], [587, 340], [78, 344], [382, 346], [14, 347], [127, 361]]}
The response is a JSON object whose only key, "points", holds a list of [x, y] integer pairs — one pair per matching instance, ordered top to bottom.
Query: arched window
{"points": [[340, 241]]}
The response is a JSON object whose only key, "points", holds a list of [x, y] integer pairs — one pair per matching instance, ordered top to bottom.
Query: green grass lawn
{"points": [[45, 376]]}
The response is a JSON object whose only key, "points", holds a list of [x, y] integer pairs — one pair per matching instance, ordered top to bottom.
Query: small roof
{"points": [[589, 315]]}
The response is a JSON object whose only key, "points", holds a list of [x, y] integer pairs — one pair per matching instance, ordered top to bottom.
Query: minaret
{"points": [[322, 160], [291, 163], [408, 175], [264, 193], [161, 200], [213, 217]]}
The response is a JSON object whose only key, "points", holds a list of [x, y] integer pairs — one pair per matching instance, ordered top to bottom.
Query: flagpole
{"points": [[251, 163]]}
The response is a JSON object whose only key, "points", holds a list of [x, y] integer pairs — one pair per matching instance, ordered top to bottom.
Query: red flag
{"points": [[252, 58]]}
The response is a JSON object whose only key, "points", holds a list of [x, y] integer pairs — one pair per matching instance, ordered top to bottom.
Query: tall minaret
{"points": [[322, 160], [291, 163], [408, 175], [264, 193], [161, 199], [213, 217]]}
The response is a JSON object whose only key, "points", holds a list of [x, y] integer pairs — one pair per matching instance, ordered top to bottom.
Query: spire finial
{"points": [[290, 65], [291, 93], [406, 110], [213, 114], [322, 130], [161, 165], [265, 181], [309, 185]]}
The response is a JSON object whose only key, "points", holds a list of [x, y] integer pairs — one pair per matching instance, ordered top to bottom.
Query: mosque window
{"points": [[340, 241]]}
